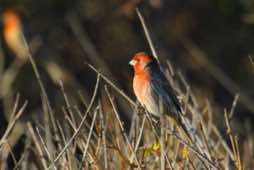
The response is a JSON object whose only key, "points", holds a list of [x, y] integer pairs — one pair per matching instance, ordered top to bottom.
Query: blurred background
{"points": [[211, 43]]}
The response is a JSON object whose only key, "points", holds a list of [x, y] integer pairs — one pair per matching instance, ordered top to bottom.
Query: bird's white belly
{"points": [[150, 102]]}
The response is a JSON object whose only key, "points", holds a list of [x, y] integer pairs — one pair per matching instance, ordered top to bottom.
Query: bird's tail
{"points": [[185, 130], [192, 135]]}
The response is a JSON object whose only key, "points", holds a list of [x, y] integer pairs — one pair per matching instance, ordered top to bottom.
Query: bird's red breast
{"points": [[142, 77], [141, 85]]}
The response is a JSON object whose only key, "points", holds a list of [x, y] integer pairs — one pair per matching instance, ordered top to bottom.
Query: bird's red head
{"points": [[10, 20], [140, 61]]}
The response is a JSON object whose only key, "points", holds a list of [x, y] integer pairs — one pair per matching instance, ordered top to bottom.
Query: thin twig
{"points": [[148, 37], [251, 60], [113, 85], [43, 91], [67, 102], [233, 106], [149, 118], [12, 123], [81, 123], [122, 127], [103, 131], [89, 137], [139, 137], [205, 137], [162, 142], [223, 142], [234, 142], [37, 145], [45, 147], [192, 149], [12, 154], [24, 155]]}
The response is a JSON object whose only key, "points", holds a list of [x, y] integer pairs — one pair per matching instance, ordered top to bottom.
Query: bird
{"points": [[14, 35], [153, 91]]}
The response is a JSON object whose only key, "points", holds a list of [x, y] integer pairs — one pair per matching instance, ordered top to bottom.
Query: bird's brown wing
{"points": [[163, 93]]}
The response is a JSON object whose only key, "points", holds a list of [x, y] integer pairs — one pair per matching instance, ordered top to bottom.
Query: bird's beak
{"points": [[133, 62]]}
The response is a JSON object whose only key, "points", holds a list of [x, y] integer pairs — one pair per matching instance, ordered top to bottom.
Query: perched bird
{"points": [[13, 34], [153, 90]]}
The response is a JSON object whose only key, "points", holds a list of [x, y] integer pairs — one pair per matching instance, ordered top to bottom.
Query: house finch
{"points": [[13, 34], [153, 90]]}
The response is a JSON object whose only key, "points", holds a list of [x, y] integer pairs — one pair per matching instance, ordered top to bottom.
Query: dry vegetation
{"points": [[93, 135], [99, 140]]}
